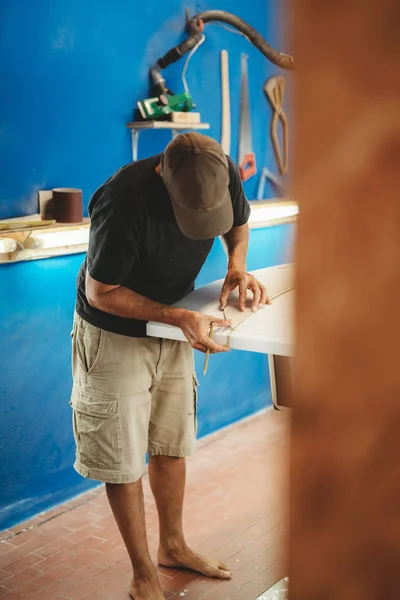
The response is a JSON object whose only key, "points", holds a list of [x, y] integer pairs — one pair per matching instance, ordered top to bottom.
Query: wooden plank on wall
{"points": [[345, 465]]}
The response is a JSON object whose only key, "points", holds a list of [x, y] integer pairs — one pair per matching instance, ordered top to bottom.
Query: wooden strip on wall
{"points": [[345, 450]]}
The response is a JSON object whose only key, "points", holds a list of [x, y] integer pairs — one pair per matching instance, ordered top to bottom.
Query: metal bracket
{"points": [[175, 128]]}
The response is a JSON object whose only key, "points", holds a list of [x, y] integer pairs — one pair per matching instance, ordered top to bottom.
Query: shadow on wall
{"points": [[36, 443]]}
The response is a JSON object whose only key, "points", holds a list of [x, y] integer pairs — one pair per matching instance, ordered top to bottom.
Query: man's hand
{"points": [[245, 281], [196, 328]]}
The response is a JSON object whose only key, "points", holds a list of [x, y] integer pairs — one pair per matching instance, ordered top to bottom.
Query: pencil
{"points": [[208, 351]]}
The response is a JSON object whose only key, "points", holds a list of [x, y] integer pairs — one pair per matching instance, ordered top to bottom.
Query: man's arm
{"points": [[237, 243], [120, 301]]}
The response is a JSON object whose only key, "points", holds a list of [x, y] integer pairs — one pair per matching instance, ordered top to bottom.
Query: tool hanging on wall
{"points": [[274, 89], [163, 101], [165, 105], [226, 105], [172, 106], [247, 159], [266, 174]]}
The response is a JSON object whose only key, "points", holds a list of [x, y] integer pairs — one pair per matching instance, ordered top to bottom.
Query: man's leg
{"points": [[111, 410], [172, 437], [167, 479], [126, 501]]}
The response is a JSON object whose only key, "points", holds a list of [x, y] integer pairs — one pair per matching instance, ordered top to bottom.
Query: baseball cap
{"points": [[196, 174]]}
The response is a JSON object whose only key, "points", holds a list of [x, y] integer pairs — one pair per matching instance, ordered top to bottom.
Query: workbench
{"points": [[57, 239], [270, 330]]}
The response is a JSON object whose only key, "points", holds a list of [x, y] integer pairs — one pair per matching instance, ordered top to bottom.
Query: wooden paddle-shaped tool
{"points": [[274, 89]]}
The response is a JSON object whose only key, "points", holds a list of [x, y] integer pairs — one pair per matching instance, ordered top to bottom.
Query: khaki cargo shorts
{"points": [[131, 396]]}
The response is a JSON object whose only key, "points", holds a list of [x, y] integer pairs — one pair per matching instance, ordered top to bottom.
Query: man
{"points": [[153, 224]]}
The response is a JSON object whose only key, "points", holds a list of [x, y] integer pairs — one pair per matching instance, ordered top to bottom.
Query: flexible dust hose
{"points": [[195, 27], [157, 81]]}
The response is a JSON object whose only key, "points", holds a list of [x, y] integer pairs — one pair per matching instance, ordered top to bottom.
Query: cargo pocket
{"points": [[195, 399], [97, 429]]}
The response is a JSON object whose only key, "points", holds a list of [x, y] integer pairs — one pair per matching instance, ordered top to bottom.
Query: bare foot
{"points": [[184, 558], [147, 588]]}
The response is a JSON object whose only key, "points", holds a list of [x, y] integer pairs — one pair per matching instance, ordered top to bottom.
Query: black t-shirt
{"points": [[135, 241]]}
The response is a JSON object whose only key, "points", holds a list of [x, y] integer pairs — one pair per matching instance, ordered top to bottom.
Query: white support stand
{"points": [[137, 126], [281, 381]]}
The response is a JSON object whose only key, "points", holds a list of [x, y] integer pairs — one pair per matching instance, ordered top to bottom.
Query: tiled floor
{"points": [[233, 511]]}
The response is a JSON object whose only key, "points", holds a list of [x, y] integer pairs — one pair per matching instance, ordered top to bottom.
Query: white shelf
{"points": [[166, 125], [137, 126]]}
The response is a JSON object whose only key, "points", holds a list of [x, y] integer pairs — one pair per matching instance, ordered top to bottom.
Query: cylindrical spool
{"points": [[67, 205]]}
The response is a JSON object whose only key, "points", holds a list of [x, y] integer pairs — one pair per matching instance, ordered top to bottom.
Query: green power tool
{"points": [[164, 102], [162, 106]]}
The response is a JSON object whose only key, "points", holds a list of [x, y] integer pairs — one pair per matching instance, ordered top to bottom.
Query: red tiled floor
{"points": [[233, 510]]}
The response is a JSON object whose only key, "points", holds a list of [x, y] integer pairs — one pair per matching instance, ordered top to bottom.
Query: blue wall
{"points": [[72, 72], [36, 444]]}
